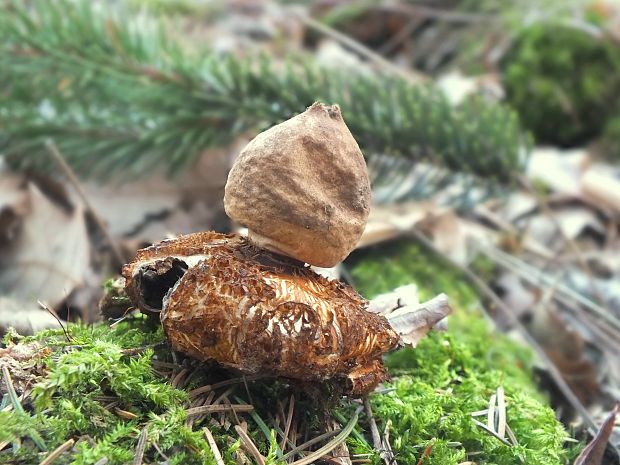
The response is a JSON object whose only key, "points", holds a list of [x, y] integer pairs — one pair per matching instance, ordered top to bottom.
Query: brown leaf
{"points": [[49, 257], [25, 317], [592, 454]]}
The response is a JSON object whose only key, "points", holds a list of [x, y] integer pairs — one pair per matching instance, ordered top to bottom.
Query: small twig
{"points": [[410, 76], [66, 169], [485, 290], [52, 312], [176, 380], [228, 382], [224, 395], [239, 408], [374, 431], [311, 442], [249, 445], [140, 448], [214, 449], [58, 452], [160, 452], [102, 461]]}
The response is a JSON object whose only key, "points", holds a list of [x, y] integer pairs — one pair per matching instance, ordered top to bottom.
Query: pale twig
{"points": [[410, 76], [70, 174], [546, 208], [485, 290], [565, 294], [52, 312], [228, 382], [239, 408], [501, 412], [374, 431], [311, 442], [249, 445], [140, 448], [327, 448], [214, 449], [58, 452]]}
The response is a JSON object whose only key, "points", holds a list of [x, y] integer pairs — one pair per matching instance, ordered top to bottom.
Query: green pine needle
{"points": [[120, 97]]}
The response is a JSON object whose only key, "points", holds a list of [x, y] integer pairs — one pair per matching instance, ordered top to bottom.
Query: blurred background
{"points": [[491, 132]]}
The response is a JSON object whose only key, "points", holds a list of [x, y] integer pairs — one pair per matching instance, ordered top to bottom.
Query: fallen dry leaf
{"points": [[602, 187], [13, 206], [51, 255], [25, 317], [24, 362], [592, 454]]}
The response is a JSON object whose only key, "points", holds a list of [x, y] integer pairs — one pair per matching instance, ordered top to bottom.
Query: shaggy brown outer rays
{"points": [[223, 299]]}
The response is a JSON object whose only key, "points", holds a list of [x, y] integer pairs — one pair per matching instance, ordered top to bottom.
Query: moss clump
{"points": [[563, 82], [611, 138], [450, 375], [102, 389]]}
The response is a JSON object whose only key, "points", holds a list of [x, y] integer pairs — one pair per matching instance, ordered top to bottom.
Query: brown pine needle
{"points": [[237, 408], [249, 445], [140, 448], [214, 449], [58, 452]]}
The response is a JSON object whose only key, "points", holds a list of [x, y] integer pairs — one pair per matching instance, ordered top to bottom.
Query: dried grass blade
{"points": [[501, 407], [238, 408], [213, 446], [327, 448], [57, 452]]}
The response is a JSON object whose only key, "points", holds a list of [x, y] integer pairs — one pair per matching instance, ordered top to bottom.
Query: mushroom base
{"points": [[249, 309]]}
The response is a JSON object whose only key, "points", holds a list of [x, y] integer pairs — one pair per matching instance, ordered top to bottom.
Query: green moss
{"points": [[563, 82], [611, 138], [450, 375], [435, 389]]}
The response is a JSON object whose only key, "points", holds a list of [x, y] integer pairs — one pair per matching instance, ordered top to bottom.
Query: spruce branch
{"points": [[119, 97]]}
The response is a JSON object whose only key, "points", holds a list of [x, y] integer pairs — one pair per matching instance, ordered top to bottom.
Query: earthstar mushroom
{"points": [[251, 304]]}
